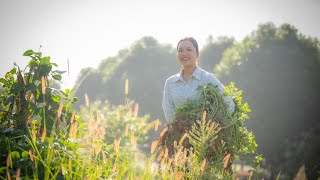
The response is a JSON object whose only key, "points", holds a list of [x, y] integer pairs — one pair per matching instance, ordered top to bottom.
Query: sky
{"points": [[86, 32]]}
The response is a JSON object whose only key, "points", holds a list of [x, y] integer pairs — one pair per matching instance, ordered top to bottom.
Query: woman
{"points": [[178, 88]]}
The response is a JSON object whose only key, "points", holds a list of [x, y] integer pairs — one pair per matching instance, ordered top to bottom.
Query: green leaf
{"points": [[28, 53], [39, 54], [45, 60], [33, 62], [54, 64], [45, 69], [13, 71], [57, 77], [2, 80], [31, 87], [16, 88], [62, 92], [56, 98], [75, 99], [8, 100], [33, 106], [25, 154], [15, 155], [3, 169]]}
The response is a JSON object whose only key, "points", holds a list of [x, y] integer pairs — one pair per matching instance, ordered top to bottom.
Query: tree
{"points": [[212, 52], [279, 71]]}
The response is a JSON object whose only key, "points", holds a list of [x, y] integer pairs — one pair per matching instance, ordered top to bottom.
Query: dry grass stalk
{"points": [[43, 85], [126, 87], [87, 99], [60, 110], [136, 110], [129, 112], [204, 115], [72, 116], [156, 124], [149, 125], [71, 130], [126, 131], [163, 131], [74, 132], [43, 135], [182, 138], [175, 144], [116, 145], [154, 146], [166, 153], [185, 153], [31, 155], [160, 156], [176, 157], [8, 160], [226, 160], [169, 163], [203, 165], [114, 168], [63, 171], [18, 173], [250, 174], [8, 175], [179, 175], [278, 175], [301, 175]]}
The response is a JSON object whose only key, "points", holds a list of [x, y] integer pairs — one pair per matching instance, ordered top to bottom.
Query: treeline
{"points": [[277, 67]]}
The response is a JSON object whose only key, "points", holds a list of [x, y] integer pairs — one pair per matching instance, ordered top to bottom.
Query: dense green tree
{"points": [[211, 53], [279, 71]]}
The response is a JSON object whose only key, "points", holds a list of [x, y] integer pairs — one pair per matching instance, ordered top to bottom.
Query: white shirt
{"points": [[177, 91]]}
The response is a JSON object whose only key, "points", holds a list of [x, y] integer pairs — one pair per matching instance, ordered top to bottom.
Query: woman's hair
{"points": [[192, 40]]}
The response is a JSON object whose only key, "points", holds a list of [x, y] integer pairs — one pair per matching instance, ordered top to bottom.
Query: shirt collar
{"points": [[196, 74]]}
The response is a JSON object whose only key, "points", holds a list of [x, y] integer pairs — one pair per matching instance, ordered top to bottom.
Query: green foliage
{"points": [[212, 51], [278, 68], [24, 93], [29, 106], [202, 135], [215, 135], [58, 144]]}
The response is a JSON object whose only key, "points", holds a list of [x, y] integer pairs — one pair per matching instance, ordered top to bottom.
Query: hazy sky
{"points": [[85, 32]]}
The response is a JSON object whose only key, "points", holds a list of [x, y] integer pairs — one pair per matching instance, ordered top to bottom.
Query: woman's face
{"points": [[187, 54]]}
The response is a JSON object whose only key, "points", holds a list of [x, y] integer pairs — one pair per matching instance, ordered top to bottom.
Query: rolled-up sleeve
{"points": [[167, 102]]}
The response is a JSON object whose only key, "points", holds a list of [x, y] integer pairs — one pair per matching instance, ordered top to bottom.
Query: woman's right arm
{"points": [[167, 102]]}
